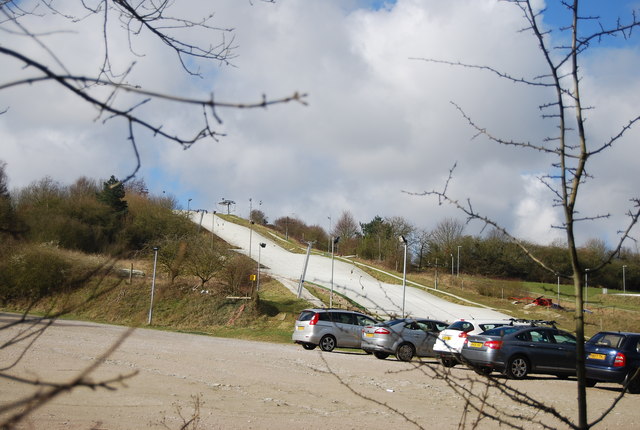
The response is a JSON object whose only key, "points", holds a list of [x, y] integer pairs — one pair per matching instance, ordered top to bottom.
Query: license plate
{"points": [[300, 327], [368, 335], [446, 337], [475, 344], [595, 356]]}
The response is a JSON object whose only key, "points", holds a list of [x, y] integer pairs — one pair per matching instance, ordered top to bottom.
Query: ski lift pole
{"points": [[304, 270]]}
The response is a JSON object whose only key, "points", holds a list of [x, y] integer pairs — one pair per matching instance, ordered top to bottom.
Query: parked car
{"points": [[330, 328], [405, 338], [450, 340], [520, 350], [614, 357]]}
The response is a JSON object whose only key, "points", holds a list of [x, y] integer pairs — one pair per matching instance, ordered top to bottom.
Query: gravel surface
{"points": [[256, 385]]}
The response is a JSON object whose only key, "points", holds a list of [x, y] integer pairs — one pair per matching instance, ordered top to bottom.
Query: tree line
{"points": [[110, 218], [447, 248]]}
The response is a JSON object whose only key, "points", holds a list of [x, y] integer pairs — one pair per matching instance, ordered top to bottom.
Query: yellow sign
{"points": [[252, 277]]}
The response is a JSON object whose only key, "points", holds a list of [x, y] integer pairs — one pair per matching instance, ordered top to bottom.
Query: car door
{"points": [[349, 330], [429, 335], [537, 345], [564, 355]]}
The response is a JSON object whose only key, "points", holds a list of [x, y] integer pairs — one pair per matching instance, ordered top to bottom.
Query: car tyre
{"points": [[328, 343], [309, 346], [405, 352], [381, 355], [447, 362], [517, 367], [590, 382], [633, 386]]}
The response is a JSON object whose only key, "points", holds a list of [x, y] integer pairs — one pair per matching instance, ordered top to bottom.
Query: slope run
{"points": [[379, 298]]}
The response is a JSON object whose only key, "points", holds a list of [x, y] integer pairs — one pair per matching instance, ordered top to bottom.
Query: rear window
{"points": [[306, 315], [461, 326], [485, 327], [501, 331], [612, 340]]}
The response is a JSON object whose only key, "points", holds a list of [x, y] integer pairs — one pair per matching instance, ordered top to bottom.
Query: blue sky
{"points": [[377, 123]]}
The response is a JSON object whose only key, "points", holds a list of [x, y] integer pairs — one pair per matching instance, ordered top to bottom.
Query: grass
{"points": [[181, 307]]}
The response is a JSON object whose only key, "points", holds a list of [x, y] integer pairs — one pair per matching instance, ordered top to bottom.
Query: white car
{"points": [[449, 344]]}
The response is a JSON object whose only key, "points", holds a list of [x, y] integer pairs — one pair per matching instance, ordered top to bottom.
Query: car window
{"points": [[306, 315], [346, 318], [363, 320], [411, 325], [461, 325], [425, 326], [440, 326], [485, 327], [502, 331], [538, 336], [563, 337], [612, 340]]}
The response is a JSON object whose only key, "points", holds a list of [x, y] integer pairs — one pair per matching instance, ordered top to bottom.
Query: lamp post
{"points": [[188, 204], [329, 218], [213, 224], [250, 234], [403, 240], [333, 243], [262, 245], [451, 264], [458, 269], [624, 281], [153, 282], [586, 286]]}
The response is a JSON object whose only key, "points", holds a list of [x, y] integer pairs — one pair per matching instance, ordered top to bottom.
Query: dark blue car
{"points": [[614, 357]]}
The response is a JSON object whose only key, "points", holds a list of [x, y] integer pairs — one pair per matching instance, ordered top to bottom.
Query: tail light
{"points": [[314, 319], [382, 330], [463, 334], [493, 344], [620, 360]]}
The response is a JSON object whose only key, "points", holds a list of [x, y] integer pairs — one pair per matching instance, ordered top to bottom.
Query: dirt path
{"points": [[256, 385]]}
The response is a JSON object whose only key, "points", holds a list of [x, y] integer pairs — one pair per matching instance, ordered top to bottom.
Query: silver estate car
{"points": [[330, 328], [405, 338]]}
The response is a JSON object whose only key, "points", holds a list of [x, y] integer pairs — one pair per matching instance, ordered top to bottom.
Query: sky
{"points": [[380, 126]]}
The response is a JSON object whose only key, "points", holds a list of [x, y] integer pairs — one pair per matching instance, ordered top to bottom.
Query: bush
{"points": [[32, 272]]}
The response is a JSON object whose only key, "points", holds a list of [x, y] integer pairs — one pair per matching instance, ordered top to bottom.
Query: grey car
{"points": [[330, 328], [405, 338], [520, 350]]}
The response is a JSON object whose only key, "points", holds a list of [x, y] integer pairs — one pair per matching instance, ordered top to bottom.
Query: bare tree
{"points": [[570, 149]]}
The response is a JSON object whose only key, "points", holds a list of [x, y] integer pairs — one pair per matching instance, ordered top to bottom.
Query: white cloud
{"points": [[377, 123]]}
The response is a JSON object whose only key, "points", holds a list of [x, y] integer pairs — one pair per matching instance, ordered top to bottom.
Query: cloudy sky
{"points": [[379, 124]]}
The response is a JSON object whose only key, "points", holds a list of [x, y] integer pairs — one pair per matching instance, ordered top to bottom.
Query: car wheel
{"points": [[327, 343], [309, 346], [405, 352], [381, 355], [447, 362], [517, 367], [563, 376], [590, 382], [633, 386]]}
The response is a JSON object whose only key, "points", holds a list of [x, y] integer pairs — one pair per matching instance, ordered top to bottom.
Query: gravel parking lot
{"points": [[256, 385]]}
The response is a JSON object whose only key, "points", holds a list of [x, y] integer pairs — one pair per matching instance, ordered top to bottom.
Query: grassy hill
{"points": [[269, 315]]}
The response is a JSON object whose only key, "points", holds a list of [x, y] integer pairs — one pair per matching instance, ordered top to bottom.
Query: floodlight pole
{"points": [[403, 240], [333, 243], [262, 245], [304, 269], [624, 281]]}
